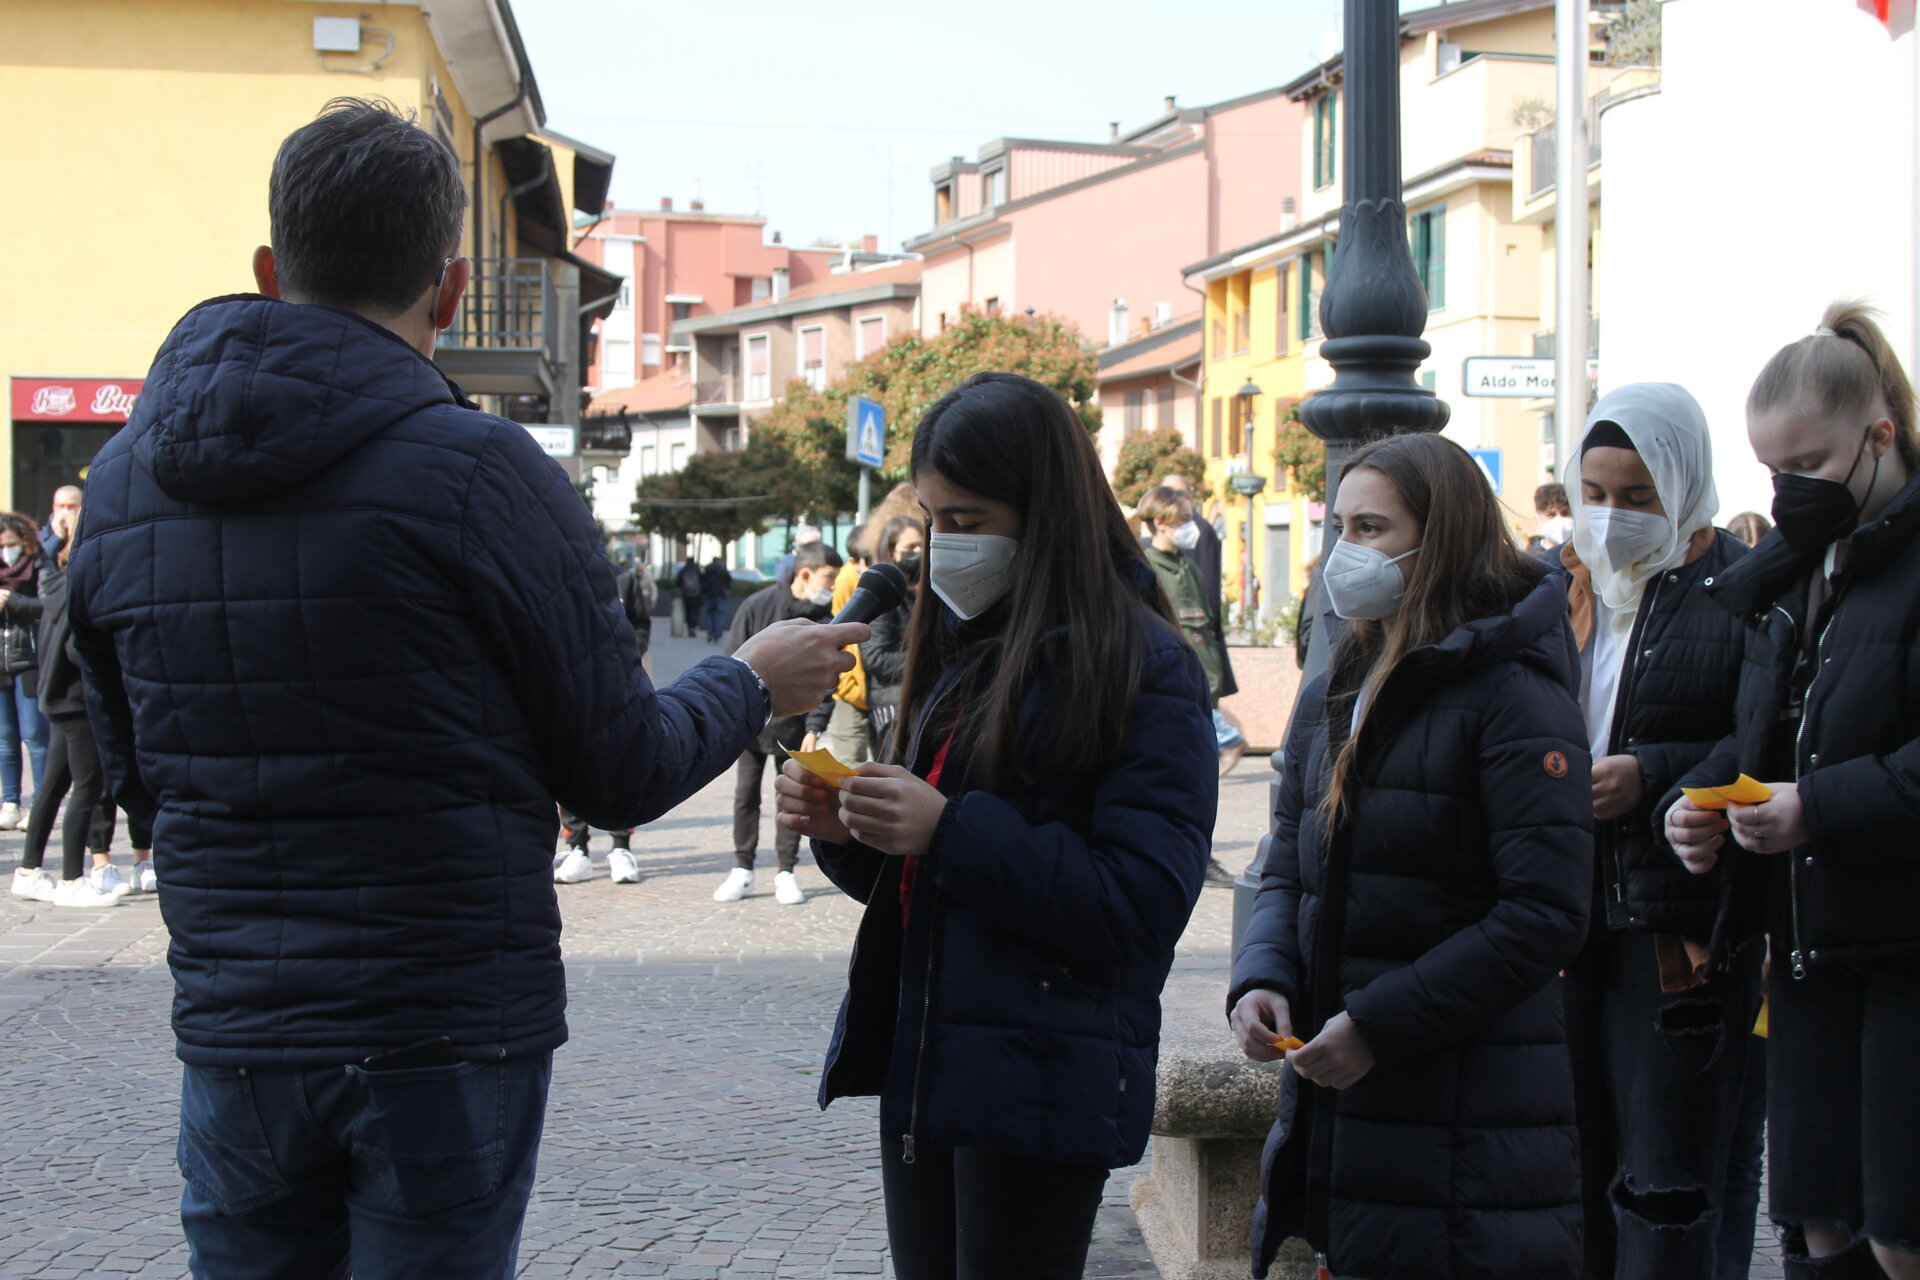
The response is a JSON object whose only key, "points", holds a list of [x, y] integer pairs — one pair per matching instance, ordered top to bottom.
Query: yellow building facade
{"points": [[138, 161], [1253, 373]]}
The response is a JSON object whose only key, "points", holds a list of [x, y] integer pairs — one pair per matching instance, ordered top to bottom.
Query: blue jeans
{"points": [[716, 610], [20, 720], [1225, 736], [315, 1174]]}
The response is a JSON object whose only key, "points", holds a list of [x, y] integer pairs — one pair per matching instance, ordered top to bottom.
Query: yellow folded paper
{"points": [[822, 765], [1743, 791], [1760, 1023]]}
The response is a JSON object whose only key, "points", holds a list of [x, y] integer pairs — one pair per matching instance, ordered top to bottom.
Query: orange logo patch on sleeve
{"points": [[1556, 765]]}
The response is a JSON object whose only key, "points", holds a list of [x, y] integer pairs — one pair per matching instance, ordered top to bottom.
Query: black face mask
{"points": [[1813, 511], [910, 565]]}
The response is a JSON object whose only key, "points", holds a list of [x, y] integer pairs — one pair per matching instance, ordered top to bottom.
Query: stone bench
{"points": [[1210, 1117]]}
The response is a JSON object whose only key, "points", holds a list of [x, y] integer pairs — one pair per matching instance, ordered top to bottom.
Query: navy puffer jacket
{"points": [[352, 639], [1832, 700], [1437, 915], [1019, 1006]]}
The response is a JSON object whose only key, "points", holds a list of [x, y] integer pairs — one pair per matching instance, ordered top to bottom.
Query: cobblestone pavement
{"points": [[682, 1140]]}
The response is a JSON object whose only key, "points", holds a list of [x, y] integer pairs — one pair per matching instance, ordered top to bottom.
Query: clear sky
{"points": [[828, 120]]}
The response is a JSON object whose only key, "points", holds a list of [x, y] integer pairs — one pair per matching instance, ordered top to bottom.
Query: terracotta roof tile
{"points": [[662, 393]]}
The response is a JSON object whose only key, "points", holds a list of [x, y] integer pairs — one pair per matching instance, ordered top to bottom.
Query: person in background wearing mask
{"points": [[66, 512], [1555, 517], [1167, 519], [1750, 527], [903, 542], [1201, 545], [716, 588], [809, 595], [1828, 717], [20, 720], [840, 722], [1029, 863], [1428, 879], [1660, 1029]]}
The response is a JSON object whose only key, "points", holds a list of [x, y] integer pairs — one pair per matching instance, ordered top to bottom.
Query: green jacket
{"points": [[1180, 579]]}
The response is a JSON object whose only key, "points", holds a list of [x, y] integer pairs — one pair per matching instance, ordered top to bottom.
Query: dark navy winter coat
{"points": [[352, 639], [1680, 673], [1847, 896], [1437, 914], [1019, 1008]]}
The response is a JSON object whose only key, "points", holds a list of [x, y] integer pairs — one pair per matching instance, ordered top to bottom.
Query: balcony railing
{"points": [[1546, 149], [511, 305], [1543, 341], [716, 388], [611, 433]]}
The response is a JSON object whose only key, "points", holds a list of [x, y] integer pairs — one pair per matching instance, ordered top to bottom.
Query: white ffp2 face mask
{"points": [[1186, 536], [1622, 538], [969, 571], [1363, 584]]}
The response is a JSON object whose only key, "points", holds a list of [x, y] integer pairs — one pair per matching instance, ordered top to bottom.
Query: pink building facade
{"points": [[1097, 233], [681, 264]]}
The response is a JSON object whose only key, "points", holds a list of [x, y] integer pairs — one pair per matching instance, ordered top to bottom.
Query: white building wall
{"points": [[1773, 174], [616, 331], [656, 448]]}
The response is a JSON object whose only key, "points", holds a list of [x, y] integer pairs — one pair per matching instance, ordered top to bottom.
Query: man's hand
{"points": [[62, 523], [801, 661], [1617, 787], [805, 803], [889, 809], [1779, 825], [1696, 834], [1260, 1018], [1338, 1057]]}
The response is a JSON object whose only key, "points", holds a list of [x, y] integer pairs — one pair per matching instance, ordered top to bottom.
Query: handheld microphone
{"points": [[880, 588]]}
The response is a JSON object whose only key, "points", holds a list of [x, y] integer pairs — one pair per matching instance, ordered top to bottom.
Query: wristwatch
{"points": [[765, 692]]}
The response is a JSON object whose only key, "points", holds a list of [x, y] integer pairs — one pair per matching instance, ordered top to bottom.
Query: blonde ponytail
{"points": [[1848, 369]]}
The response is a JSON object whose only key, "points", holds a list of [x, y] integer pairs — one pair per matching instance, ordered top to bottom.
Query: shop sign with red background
{"points": [[57, 400]]}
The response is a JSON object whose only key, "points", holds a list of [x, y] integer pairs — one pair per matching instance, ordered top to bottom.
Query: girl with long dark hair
{"points": [[1029, 861], [1427, 881]]}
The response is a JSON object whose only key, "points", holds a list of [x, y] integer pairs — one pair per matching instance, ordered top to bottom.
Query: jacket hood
{"points": [[250, 396], [1535, 632]]}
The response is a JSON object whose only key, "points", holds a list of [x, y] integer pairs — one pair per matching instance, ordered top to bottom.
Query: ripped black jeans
{"points": [[1658, 1080]]}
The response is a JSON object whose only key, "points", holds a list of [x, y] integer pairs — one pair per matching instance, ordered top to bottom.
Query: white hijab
{"points": [[1669, 431]]}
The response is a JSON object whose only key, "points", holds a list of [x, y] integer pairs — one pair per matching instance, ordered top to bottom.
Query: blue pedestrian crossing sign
{"points": [[866, 432], [1489, 460]]}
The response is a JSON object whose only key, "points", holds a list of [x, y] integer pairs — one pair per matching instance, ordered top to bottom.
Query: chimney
{"points": [[1169, 103], [1113, 131], [666, 204], [698, 206], [609, 210], [1289, 213], [776, 237], [869, 244], [782, 281], [1117, 327]]}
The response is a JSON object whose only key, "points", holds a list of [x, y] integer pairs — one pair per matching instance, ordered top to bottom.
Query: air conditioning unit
{"points": [[1162, 314]]}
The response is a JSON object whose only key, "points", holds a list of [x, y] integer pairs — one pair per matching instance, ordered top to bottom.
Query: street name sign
{"points": [[1518, 377], [557, 441]]}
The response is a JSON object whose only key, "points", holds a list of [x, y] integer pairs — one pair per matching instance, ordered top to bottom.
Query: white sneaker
{"points": [[11, 818], [574, 868], [623, 868], [108, 879], [144, 879], [35, 884], [737, 885], [787, 891], [79, 893]]}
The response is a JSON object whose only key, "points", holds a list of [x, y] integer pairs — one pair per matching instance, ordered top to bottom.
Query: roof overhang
{"points": [[480, 43], [592, 172], [543, 224], [740, 317]]}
